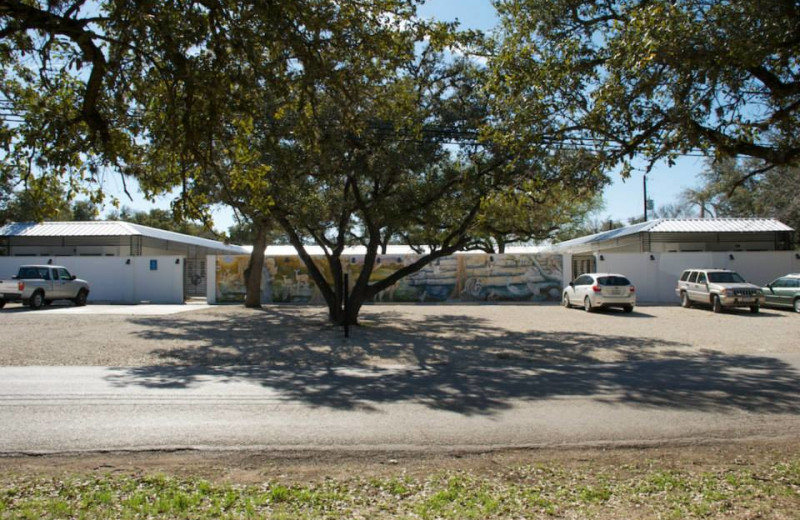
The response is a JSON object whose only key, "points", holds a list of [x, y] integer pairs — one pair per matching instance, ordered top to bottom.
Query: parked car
{"points": [[39, 285], [719, 288], [597, 290], [783, 292]]}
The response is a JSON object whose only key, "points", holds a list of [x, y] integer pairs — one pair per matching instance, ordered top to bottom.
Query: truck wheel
{"points": [[80, 300], [36, 301], [685, 301], [2, 303], [716, 305], [796, 305], [627, 308], [754, 309]]}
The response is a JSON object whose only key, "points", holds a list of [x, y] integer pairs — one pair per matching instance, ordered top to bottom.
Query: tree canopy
{"points": [[651, 79]]}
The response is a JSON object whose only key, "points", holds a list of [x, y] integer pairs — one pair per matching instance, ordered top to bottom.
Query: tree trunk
{"points": [[252, 275]]}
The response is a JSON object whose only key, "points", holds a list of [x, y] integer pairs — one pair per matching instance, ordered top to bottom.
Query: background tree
{"points": [[652, 79], [773, 194], [44, 202], [163, 219]]}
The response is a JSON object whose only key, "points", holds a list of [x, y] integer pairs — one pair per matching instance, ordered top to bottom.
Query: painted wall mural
{"points": [[456, 278]]}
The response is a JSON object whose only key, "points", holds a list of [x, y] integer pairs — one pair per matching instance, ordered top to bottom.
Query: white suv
{"points": [[719, 288], [595, 290]]}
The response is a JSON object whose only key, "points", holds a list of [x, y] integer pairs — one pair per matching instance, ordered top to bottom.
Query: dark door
{"points": [[194, 277]]}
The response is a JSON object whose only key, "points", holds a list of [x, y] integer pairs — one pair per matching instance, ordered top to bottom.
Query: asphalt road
{"points": [[64, 409]]}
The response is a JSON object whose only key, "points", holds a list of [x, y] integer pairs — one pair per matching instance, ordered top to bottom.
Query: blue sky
{"points": [[623, 199]]}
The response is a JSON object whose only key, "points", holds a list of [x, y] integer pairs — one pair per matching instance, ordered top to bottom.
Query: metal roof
{"points": [[683, 225], [718, 225], [109, 228], [605, 235], [286, 250]]}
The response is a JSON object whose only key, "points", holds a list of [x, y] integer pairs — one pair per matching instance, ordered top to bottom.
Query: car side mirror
{"points": [[72, 277], [572, 284]]}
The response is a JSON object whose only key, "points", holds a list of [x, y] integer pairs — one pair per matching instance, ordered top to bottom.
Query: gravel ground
{"points": [[390, 335]]}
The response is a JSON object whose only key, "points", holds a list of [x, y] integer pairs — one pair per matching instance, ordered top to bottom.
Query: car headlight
{"points": [[723, 292]]}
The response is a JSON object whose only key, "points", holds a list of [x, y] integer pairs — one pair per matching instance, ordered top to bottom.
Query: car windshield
{"points": [[729, 277], [613, 281]]}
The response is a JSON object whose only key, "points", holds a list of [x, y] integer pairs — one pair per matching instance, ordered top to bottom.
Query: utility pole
{"points": [[644, 185]]}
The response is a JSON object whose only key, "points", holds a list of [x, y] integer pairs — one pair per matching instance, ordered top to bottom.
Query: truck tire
{"points": [[80, 299], [37, 300], [685, 301], [2, 303], [716, 305], [796, 305], [754, 309]]}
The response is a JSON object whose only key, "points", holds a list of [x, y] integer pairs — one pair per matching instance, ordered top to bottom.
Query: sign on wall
{"points": [[456, 278]]}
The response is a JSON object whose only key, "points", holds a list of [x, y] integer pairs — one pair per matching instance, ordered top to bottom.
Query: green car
{"points": [[784, 292]]}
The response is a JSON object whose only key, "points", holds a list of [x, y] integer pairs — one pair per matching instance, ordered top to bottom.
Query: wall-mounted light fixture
{"points": [[797, 255], [652, 257], [731, 257], [601, 258], [49, 261], [128, 261], [177, 261]]}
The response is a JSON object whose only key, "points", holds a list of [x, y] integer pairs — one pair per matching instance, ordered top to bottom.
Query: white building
{"points": [[59, 241], [654, 253]]}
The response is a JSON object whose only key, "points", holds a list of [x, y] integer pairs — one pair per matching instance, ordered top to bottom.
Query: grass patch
{"points": [[541, 491]]}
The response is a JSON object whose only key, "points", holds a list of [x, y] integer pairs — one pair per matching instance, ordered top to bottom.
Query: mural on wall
{"points": [[474, 277]]}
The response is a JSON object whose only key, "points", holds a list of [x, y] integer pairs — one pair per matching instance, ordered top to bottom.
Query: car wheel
{"points": [[80, 300], [36, 301], [565, 301], [685, 301], [2, 303], [48, 303], [587, 305], [716, 305], [796, 305], [628, 308], [754, 309]]}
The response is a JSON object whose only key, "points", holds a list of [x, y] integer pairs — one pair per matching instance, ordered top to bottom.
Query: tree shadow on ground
{"points": [[456, 363]]}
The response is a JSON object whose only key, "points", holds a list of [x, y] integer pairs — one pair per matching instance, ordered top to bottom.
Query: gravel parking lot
{"points": [[390, 335]]}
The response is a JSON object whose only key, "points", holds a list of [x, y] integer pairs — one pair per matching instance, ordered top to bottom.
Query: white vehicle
{"points": [[39, 285], [597, 290]]}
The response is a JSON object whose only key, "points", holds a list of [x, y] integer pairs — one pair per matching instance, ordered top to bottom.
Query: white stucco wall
{"points": [[211, 279], [656, 279], [113, 280]]}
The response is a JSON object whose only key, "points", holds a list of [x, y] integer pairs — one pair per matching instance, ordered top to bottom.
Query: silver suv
{"points": [[719, 288]]}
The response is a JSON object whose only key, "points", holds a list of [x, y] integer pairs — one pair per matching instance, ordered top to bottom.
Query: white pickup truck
{"points": [[39, 285]]}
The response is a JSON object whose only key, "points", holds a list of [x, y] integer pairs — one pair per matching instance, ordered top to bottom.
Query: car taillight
{"points": [[21, 286], [595, 288], [633, 289]]}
